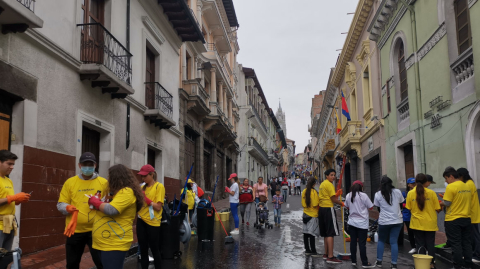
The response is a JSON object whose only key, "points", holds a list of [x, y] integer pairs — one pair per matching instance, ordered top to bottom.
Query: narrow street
{"points": [[280, 247]]}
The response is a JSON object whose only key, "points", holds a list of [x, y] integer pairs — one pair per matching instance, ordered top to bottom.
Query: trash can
{"points": [[205, 223], [170, 237]]}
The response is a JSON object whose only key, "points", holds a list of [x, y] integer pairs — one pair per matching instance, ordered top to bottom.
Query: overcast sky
{"points": [[292, 46]]}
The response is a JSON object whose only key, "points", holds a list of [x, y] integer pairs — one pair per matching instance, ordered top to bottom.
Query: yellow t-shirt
{"points": [[6, 188], [326, 191], [73, 193], [156, 193], [190, 197], [461, 197], [475, 206], [312, 210], [425, 220], [115, 233]]}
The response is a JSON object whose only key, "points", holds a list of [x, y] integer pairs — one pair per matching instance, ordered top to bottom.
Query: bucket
{"points": [[224, 216], [422, 261]]}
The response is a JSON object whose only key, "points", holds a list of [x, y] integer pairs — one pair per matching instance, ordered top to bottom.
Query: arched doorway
{"points": [[472, 143]]}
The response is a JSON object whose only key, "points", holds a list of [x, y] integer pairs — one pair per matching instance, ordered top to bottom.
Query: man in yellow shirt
{"points": [[73, 197], [8, 198], [457, 199], [326, 214]]}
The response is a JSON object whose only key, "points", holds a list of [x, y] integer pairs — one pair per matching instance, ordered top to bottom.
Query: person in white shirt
{"points": [[290, 185], [298, 186], [234, 201], [358, 205]]}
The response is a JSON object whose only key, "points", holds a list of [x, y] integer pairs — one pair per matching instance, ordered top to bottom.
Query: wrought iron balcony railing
{"points": [[30, 4], [99, 46], [157, 97], [258, 116], [258, 147]]}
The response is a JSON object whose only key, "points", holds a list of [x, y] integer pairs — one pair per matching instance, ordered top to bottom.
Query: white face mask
{"points": [[446, 184]]}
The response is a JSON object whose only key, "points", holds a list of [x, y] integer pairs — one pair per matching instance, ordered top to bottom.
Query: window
{"points": [[93, 11], [464, 38], [402, 72], [150, 79], [389, 105]]}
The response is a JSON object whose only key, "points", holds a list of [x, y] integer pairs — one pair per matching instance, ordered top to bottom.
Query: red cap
{"points": [[145, 170], [232, 176], [358, 182]]}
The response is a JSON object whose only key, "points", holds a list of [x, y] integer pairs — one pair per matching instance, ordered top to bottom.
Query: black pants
{"points": [[411, 234], [459, 234], [361, 236], [149, 237], [425, 241], [476, 241], [309, 242], [75, 246], [113, 259]]}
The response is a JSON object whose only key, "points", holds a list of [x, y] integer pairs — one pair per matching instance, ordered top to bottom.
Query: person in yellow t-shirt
{"points": [[464, 176], [8, 198], [189, 198], [73, 199], [310, 203], [424, 206], [150, 216], [327, 216], [458, 226], [112, 231]]}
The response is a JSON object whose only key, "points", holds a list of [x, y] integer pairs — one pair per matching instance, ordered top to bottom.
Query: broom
{"points": [[343, 256]]}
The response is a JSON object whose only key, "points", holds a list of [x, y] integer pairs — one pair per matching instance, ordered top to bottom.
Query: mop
{"points": [[228, 238], [343, 256]]}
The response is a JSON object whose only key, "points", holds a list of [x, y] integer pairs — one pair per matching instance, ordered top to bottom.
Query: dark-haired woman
{"points": [[246, 200], [388, 200], [310, 203], [358, 204], [424, 205], [475, 212], [150, 216], [113, 222]]}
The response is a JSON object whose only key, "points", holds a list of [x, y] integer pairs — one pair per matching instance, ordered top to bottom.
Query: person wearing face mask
{"points": [[73, 203]]}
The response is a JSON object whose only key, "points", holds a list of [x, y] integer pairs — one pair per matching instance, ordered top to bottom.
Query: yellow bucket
{"points": [[224, 216], [422, 261]]}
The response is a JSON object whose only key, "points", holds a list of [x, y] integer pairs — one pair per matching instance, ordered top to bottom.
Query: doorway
{"points": [[91, 143], [409, 165]]}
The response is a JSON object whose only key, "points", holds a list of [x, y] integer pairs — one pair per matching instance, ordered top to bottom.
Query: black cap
{"points": [[88, 157], [430, 179]]}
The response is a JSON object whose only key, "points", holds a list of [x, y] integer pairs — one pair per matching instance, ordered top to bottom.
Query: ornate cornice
{"points": [[434, 39], [362, 57], [410, 61]]}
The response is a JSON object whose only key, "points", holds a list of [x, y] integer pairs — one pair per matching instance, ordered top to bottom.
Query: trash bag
{"points": [[185, 231]]}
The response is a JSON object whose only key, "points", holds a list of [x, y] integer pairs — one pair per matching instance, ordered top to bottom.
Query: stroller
{"points": [[262, 214]]}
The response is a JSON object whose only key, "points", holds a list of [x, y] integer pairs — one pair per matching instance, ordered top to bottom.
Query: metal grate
{"points": [[30, 4], [163, 99]]}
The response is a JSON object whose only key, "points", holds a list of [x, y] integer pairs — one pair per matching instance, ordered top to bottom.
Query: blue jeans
{"points": [[285, 195], [257, 200], [234, 209], [277, 215], [390, 231], [113, 259]]}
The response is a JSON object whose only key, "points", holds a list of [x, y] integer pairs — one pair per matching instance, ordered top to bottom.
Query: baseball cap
{"points": [[87, 157], [145, 170], [232, 176], [430, 179], [411, 180], [190, 181], [358, 182]]}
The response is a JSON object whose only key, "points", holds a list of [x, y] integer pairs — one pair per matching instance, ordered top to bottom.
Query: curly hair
{"points": [[120, 177]]}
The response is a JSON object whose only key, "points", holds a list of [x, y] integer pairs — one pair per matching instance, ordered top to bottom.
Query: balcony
{"points": [[16, 16], [212, 16], [182, 19], [211, 47], [106, 62], [463, 66], [198, 98], [159, 104], [403, 110], [253, 115], [219, 126], [350, 137], [257, 151], [273, 157]]}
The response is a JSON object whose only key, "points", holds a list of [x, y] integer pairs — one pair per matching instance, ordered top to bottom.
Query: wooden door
{"points": [[92, 35], [149, 79], [6, 105], [91, 143], [190, 154], [151, 157], [409, 166]]}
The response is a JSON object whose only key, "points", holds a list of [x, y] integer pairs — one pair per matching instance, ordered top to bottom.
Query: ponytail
{"points": [[420, 179], [311, 182], [356, 188]]}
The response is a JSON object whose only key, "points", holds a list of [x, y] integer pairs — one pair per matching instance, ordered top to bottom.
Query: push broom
{"points": [[228, 238], [343, 256]]}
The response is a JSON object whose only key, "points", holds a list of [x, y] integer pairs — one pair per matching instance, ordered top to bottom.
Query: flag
{"points": [[345, 108], [339, 126]]}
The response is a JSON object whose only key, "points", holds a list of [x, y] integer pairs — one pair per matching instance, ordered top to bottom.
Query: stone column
{"points": [[184, 62], [193, 66], [213, 91], [220, 95], [225, 108], [230, 110]]}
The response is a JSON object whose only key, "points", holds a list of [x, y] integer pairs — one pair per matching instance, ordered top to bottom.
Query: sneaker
{"points": [[248, 224], [235, 232], [413, 250], [308, 253], [315, 255], [325, 257], [150, 259], [333, 260], [477, 260], [354, 263], [378, 264], [368, 265], [393, 266]]}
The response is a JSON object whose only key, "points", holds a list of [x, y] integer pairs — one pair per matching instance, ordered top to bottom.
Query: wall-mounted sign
{"points": [[436, 101], [444, 105], [428, 114], [436, 121]]}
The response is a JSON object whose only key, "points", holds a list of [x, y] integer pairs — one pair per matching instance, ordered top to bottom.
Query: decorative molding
{"points": [[471, 3], [392, 27], [153, 29], [434, 39], [362, 57], [410, 61], [350, 74], [392, 82], [384, 89], [134, 102], [174, 131]]}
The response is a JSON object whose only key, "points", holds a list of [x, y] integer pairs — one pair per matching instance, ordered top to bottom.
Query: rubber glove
{"points": [[227, 189], [339, 192], [441, 194], [18, 198], [147, 201], [95, 202], [343, 205], [71, 209], [72, 225]]}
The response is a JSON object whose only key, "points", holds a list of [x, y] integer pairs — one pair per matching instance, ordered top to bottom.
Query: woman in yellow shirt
{"points": [[189, 198], [310, 203], [424, 206], [150, 216], [112, 231]]}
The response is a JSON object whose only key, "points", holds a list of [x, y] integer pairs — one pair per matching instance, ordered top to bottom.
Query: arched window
{"points": [[462, 20], [402, 71]]}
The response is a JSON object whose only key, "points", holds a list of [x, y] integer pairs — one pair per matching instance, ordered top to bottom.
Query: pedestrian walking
{"points": [[464, 176], [291, 182], [273, 186], [284, 186], [298, 186], [260, 188], [189, 198], [234, 200], [246, 200], [388, 200], [277, 201], [73, 203], [310, 204], [358, 205], [424, 206], [407, 215], [150, 216], [327, 216], [458, 225], [112, 231]]}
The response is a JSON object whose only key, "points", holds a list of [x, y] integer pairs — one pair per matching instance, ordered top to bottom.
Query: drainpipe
{"points": [[128, 25], [417, 82]]}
